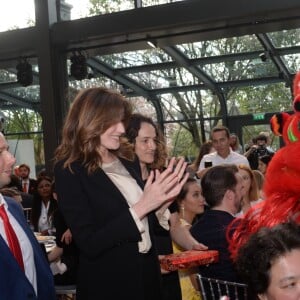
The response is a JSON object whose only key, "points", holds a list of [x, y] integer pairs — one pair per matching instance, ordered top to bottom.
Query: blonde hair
{"points": [[260, 178], [253, 192]]}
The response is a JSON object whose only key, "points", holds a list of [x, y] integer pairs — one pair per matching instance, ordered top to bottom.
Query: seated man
{"points": [[222, 189], [24, 271]]}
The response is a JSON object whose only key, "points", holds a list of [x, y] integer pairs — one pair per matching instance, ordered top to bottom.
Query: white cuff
{"points": [[137, 221]]}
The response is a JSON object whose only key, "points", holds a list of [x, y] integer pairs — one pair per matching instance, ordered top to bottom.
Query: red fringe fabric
{"points": [[282, 203]]}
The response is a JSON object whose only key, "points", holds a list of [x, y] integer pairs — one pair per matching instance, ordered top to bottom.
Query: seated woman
{"points": [[260, 178], [250, 191], [191, 203], [43, 207], [64, 257], [269, 262]]}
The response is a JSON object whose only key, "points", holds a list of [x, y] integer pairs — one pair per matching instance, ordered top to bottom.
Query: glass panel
{"points": [[157, 2], [88, 8], [16, 14], [285, 38], [221, 47], [136, 58], [293, 62], [240, 69], [6, 76], [165, 78], [95, 82], [29, 94], [260, 99], [139, 104], [191, 105], [143, 106], [25, 124], [180, 141]]}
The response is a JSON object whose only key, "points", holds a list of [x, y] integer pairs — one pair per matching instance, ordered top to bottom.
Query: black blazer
{"points": [[106, 235]]}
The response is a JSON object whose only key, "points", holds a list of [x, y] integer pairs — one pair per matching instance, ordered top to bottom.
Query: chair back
{"points": [[27, 213], [214, 289], [65, 292]]}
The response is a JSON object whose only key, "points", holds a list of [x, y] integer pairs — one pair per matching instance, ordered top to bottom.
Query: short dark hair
{"points": [[220, 128], [261, 137], [25, 166], [216, 181], [183, 192], [255, 258]]}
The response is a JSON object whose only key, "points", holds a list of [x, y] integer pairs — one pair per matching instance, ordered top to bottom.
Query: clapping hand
{"points": [[162, 187], [67, 237]]}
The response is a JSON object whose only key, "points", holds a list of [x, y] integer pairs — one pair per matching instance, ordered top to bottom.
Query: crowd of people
{"points": [[117, 204]]}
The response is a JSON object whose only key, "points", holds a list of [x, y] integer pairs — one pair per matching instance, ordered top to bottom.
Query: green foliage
{"points": [[99, 7], [197, 108], [24, 123], [182, 143]]}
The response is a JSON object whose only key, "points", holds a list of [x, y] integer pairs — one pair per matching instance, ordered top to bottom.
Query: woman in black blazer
{"points": [[101, 198], [43, 206]]}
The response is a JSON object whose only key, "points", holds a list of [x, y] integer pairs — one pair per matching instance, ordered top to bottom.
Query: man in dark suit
{"points": [[28, 184], [222, 189], [24, 270]]}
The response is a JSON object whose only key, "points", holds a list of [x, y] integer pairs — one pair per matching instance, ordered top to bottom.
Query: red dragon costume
{"points": [[282, 180]]}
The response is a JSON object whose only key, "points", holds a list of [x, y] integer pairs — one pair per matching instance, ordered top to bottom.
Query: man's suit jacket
{"points": [[32, 186], [31, 189], [210, 230], [106, 235], [14, 284]]}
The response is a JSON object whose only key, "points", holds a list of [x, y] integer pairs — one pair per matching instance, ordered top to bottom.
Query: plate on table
{"points": [[45, 238]]}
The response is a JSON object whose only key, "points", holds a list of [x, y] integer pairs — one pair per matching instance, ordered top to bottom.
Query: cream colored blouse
{"points": [[132, 192]]}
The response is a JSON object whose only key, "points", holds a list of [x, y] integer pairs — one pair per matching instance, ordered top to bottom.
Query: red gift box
{"points": [[188, 259]]}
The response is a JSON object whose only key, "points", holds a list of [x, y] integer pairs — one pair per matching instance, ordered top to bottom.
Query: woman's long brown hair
{"points": [[93, 111]]}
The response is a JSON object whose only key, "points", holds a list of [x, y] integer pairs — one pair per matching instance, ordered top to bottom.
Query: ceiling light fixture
{"points": [[263, 56], [78, 68], [24, 72]]}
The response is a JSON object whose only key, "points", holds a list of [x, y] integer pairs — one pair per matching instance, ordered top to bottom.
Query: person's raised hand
{"points": [[162, 187]]}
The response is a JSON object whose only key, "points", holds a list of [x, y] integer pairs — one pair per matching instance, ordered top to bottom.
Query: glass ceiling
{"points": [[234, 65], [199, 80]]}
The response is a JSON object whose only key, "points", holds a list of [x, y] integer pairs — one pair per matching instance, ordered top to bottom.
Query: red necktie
{"points": [[25, 187], [12, 239]]}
